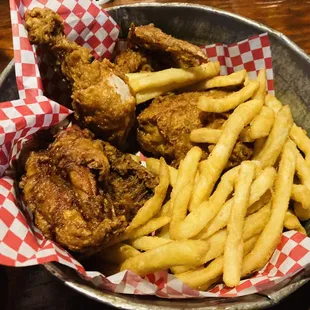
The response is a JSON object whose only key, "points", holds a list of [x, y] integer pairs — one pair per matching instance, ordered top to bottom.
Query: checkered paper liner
{"points": [[21, 244]]}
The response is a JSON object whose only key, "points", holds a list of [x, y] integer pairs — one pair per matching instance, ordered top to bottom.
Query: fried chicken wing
{"points": [[183, 54], [102, 100], [164, 127], [82, 191]]}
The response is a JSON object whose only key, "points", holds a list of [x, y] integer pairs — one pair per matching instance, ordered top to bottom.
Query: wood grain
{"points": [[33, 287]]}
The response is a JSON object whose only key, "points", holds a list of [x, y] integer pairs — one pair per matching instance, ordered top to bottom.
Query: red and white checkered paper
{"points": [[21, 244]]}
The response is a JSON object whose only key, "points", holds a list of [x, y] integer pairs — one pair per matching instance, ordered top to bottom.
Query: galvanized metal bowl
{"points": [[202, 25]]}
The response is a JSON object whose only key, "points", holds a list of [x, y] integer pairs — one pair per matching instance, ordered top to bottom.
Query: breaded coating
{"points": [[184, 54], [102, 100], [164, 127], [82, 191]]}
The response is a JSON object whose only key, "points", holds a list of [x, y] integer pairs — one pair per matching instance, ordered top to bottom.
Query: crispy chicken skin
{"points": [[184, 54], [131, 61], [102, 100], [164, 127], [82, 191]]}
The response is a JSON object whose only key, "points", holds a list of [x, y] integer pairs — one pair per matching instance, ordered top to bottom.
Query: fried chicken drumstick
{"points": [[102, 100], [82, 191]]}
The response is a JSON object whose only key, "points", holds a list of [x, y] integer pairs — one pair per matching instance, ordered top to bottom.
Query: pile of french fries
{"points": [[208, 225]]}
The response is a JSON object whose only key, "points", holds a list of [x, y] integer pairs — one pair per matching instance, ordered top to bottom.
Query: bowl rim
{"points": [[115, 301]]}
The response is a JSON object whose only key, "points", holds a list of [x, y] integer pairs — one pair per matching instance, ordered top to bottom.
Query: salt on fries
{"points": [[201, 214]]}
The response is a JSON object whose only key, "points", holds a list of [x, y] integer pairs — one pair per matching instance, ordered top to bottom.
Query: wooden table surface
{"points": [[33, 287]]}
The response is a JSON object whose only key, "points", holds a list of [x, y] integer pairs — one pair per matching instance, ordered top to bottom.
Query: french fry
{"points": [[137, 75], [173, 75], [233, 79], [261, 91], [229, 102], [273, 103], [262, 123], [259, 128], [205, 135], [299, 136], [277, 138], [153, 165], [213, 166], [303, 170], [259, 187], [182, 191], [301, 193], [263, 200], [153, 205], [166, 209], [302, 213], [195, 221], [291, 222], [253, 225], [144, 230], [269, 238], [146, 243], [233, 251], [189, 252], [118, 253], [203, 278]]}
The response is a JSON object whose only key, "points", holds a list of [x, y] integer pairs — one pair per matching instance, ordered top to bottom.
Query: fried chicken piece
{"points": [[184, 54], [131, 61], [102, 100], [164, 127], [77, 197]]}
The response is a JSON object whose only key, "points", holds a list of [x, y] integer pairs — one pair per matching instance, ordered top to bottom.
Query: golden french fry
{"points": [[137, 75], [173, 75], [234, 79], [261, 91], [229, 102], [273, 103], [262, 123], [259, 128], [205, 135], [299, 136], [277, 138], [153, 165], [213, 166], [303, 170], [259, 187], [182, 191], [301, 193], [264, 199], [153, 205], [166, 209], [302, 213], [195, 221], [291, 222], [253, 225], [144, 230], [269, 238], [146, 243], [233, 251], [189, 252], [118, 253], [203, 278]]}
